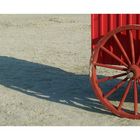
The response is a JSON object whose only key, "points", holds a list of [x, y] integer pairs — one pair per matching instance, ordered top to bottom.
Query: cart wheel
{"points": [[118, 88]]}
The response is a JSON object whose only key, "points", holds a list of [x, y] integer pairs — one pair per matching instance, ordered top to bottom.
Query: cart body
{"points": [[101, 24]]}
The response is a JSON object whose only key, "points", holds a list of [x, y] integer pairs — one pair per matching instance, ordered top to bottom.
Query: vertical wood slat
{"points": [[122, 19], [113, 22], [137, 22], [104, 24], [95, 26], [94, 29]]}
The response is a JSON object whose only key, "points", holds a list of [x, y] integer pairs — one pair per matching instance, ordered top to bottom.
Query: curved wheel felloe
{"points": [[117, 89]]}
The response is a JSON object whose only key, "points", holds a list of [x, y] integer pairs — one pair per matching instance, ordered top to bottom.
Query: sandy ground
{"points": [[44, 62]]}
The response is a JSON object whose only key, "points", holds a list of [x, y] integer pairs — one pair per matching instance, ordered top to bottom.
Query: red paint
{"points": [[101, 24]]}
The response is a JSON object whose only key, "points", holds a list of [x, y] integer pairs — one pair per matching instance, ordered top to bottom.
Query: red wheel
{"points": [[116, 82]]}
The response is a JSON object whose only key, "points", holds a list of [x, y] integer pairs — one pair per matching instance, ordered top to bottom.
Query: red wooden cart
{"points": [[115, 62]]}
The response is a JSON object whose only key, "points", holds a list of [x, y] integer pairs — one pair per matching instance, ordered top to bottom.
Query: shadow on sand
{"points": [[50, 83]]}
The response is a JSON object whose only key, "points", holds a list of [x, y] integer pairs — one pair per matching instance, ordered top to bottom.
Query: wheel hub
{"points": [[134, 72]]}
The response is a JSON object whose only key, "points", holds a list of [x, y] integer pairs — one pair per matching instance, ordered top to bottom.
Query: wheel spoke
{"points": [[132, 46], [122, 49], [114, 56], [138, 62], [111, 66], [111, 77], [115, 88], [125, 95], [135, 98]]}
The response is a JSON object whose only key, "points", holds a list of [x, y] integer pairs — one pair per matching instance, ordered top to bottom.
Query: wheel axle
{"points": [[130, 75]]}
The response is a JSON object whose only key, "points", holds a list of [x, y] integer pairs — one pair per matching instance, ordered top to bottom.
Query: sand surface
{"points": [[44, 64]]}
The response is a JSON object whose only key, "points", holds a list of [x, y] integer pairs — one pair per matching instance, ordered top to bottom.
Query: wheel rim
{"points": [[128, 68]]}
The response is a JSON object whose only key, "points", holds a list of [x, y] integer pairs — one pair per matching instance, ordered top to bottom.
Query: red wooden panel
{"points": [[101, 24]]}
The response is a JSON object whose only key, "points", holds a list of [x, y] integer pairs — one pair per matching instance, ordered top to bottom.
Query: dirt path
{"points": [[44, 62]]}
